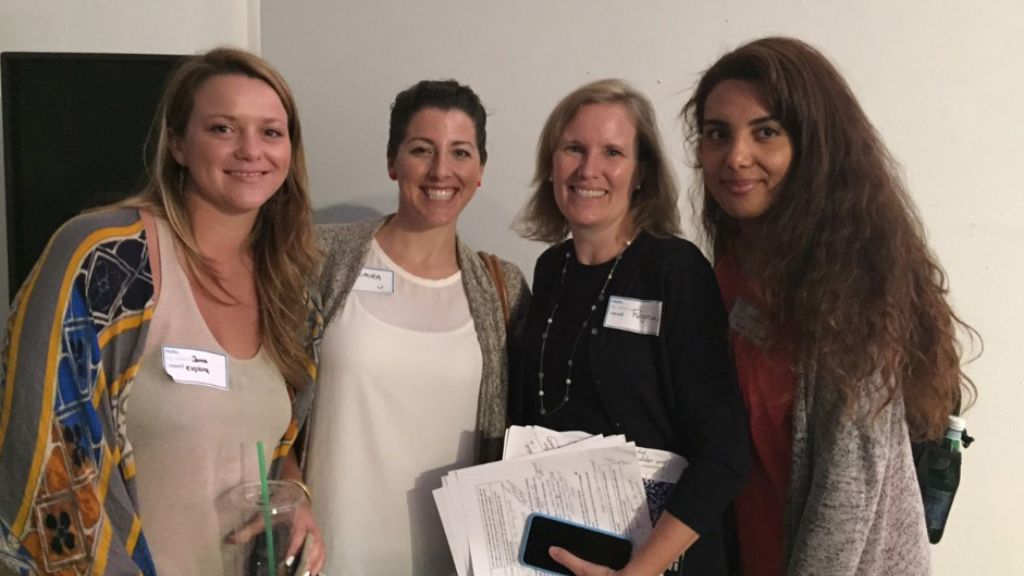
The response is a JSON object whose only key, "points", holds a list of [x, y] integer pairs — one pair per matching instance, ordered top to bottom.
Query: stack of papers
{"points": [[599, 481]]}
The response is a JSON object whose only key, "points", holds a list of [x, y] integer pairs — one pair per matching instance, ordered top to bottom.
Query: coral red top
{"points": [[765, 360]]}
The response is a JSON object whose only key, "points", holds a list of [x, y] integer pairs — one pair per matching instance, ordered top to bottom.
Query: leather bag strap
{"points": [[493, 265]]}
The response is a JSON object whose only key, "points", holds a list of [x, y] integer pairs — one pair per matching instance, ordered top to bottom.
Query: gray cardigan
{"points": [[345, 247], [854, 503]]}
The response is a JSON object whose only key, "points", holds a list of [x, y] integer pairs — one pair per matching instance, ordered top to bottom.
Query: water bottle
{"points": [[940, 478]]}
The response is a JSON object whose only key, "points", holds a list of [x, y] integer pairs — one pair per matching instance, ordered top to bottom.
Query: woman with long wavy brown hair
{"points": [[844, 339], [158, 341]]}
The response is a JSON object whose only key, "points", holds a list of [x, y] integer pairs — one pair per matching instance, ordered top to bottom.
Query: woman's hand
{"points": [[305, 531], [306, 534], [670, 538], [579, 566]]}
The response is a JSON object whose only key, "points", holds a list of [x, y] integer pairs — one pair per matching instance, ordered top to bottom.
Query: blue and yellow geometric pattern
{"points": [[74, 338]]}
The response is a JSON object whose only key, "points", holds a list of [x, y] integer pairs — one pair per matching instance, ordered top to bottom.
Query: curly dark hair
{"points": [[440, 94], [845, 261]]}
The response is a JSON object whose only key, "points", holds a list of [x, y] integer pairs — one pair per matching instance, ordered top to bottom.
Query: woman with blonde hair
{"points": [[626, 332], [844, 340], [113, 451]]}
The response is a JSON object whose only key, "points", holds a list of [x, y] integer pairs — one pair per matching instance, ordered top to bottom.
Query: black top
{"points": [[673, 391], [583, 410]]}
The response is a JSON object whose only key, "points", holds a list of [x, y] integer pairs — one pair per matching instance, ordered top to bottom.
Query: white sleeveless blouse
{"points": [[396, 410]]}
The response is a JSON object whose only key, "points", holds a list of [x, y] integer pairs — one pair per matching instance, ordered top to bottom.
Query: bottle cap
{"points": [[957, 423]]}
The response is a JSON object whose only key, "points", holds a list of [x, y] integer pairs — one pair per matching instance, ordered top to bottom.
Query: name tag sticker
{"points": [[375, 280], [639, 316], [746, 320], [189, 366]]}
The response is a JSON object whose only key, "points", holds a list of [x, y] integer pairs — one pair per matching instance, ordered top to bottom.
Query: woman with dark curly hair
{"points": [[844, 340], [414, 369]]}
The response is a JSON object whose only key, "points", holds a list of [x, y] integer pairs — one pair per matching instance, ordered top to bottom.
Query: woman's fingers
{"points": [[246, 532], [299, 532], [306, 537], [306, 544], [316, 564], [577, 565]]}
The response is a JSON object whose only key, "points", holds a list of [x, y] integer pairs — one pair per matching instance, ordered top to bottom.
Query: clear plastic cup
{"points": [[243, 537]]}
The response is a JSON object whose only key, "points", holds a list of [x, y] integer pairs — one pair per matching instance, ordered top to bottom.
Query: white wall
{"points": [[120, 26], [942, 81]]}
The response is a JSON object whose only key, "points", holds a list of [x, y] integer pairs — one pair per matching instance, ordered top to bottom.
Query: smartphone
{"points": [[591, 544]]}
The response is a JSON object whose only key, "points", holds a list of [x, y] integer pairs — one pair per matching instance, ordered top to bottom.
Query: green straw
{"points": [[265, 498]]}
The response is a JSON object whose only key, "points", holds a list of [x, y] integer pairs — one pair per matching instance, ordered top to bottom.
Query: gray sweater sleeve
{"points": [[854, 504]]}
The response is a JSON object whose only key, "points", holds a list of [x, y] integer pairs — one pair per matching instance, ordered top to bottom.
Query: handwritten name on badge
{"points": [[375, 280], [639, 316], [189, 366]]}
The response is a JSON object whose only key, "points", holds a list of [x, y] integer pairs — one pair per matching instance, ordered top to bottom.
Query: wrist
{"points": [[302, 485], [635, 568]]}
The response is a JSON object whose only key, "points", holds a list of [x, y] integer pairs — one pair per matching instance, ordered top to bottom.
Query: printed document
{"points": [[604, 482]]}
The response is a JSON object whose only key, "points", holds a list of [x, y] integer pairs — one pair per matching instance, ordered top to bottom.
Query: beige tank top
{"points": [[192, 442]]}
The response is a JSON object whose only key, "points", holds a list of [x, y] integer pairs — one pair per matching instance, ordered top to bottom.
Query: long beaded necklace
{"points": [[575, 343]]}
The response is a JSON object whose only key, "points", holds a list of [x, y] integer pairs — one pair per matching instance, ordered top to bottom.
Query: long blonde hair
{"points": [[283, 248]]}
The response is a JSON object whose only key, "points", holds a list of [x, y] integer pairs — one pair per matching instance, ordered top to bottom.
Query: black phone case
{"points": [[542, 532]]}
